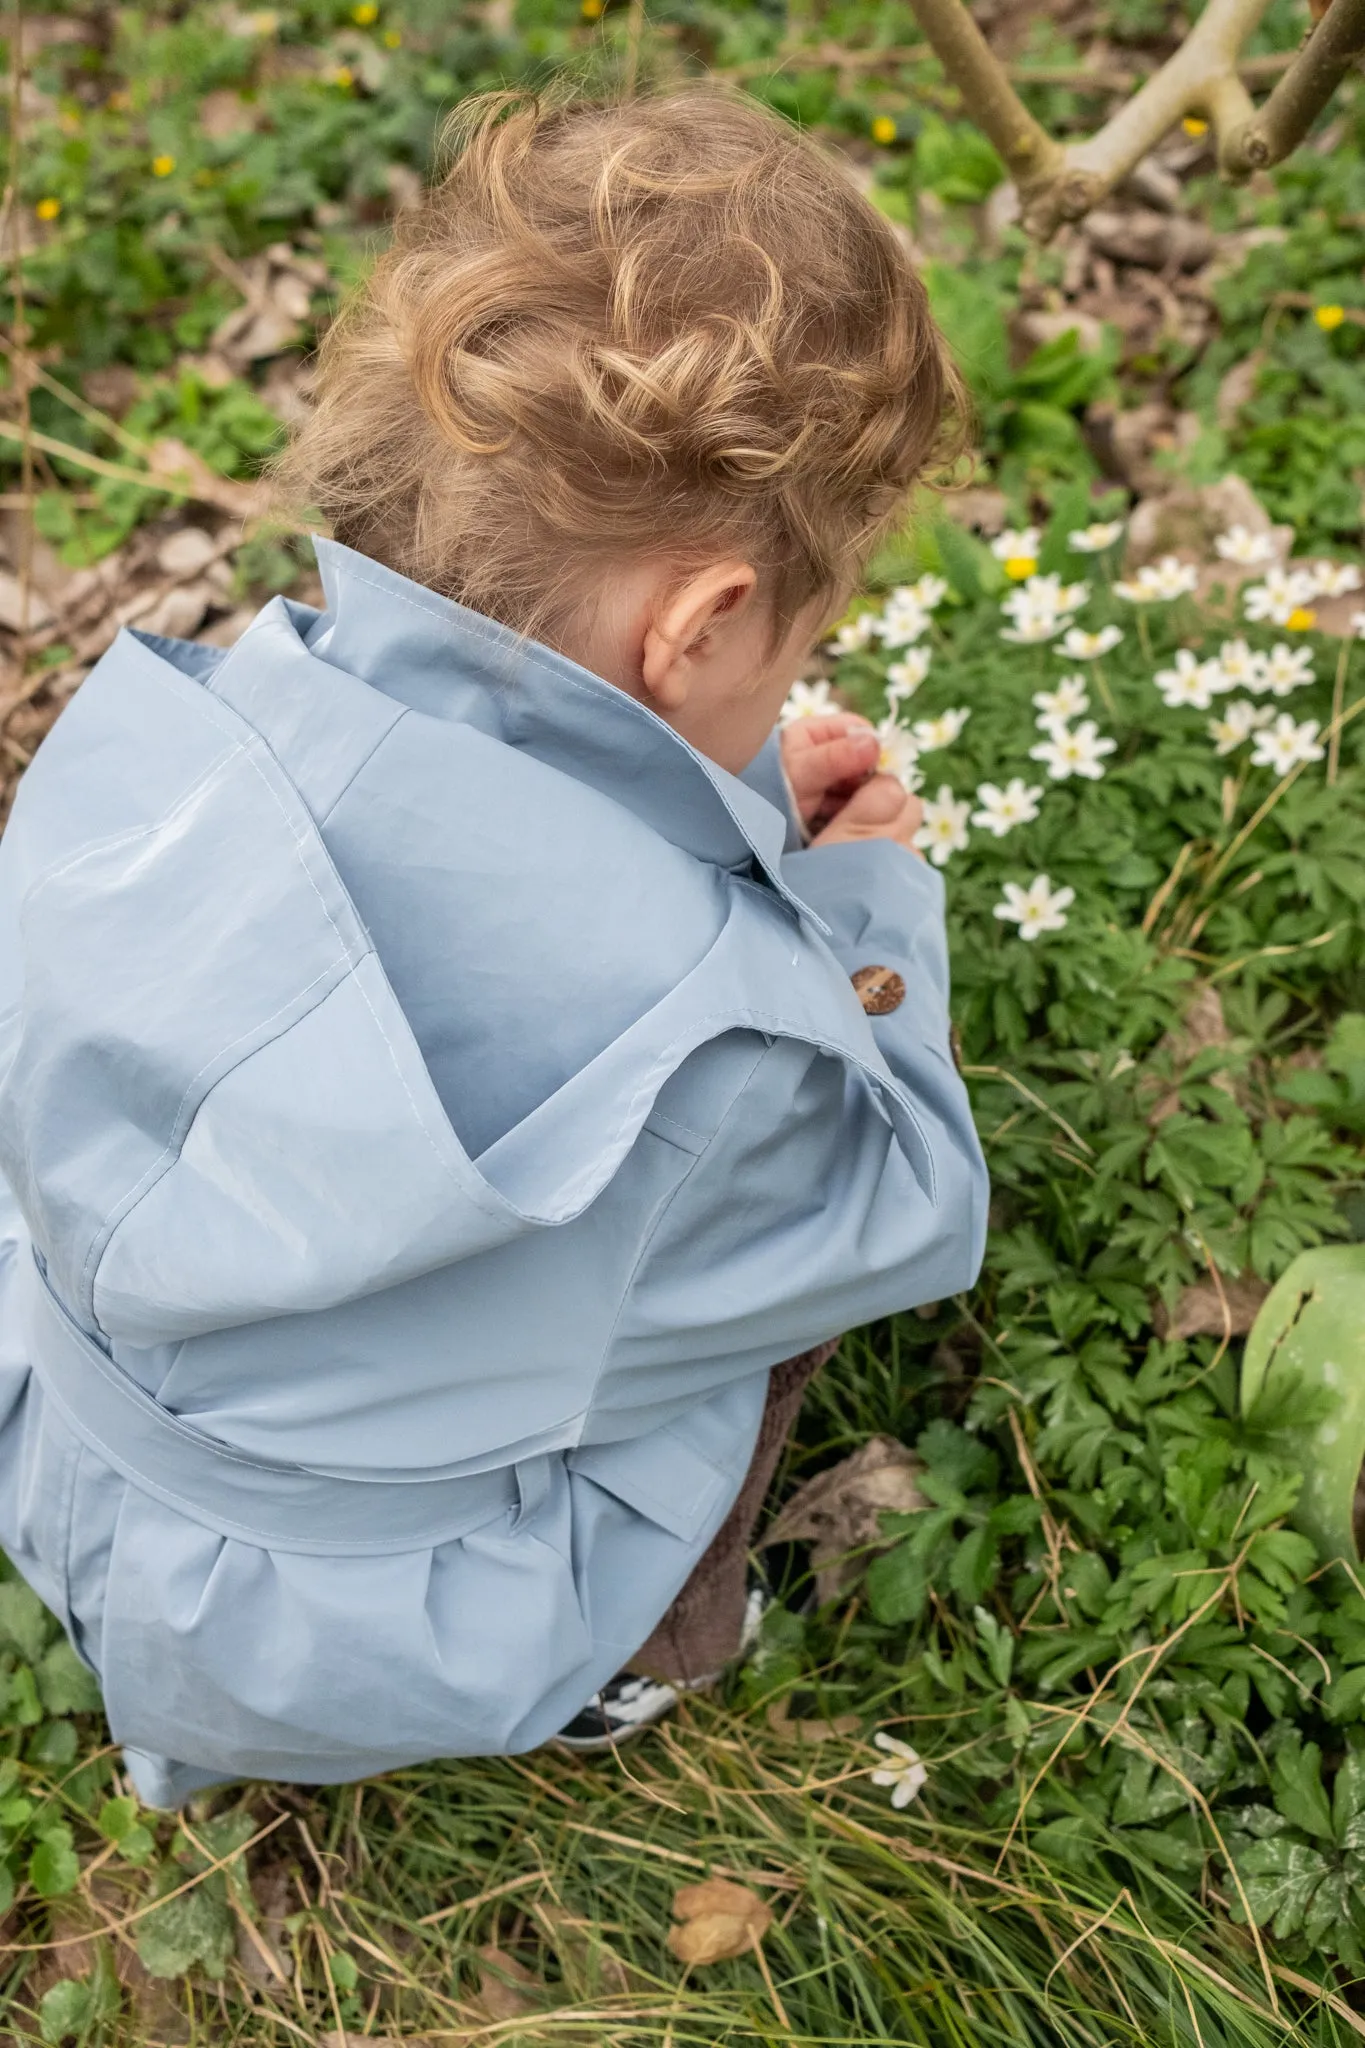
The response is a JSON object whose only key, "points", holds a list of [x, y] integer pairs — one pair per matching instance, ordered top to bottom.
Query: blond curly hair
{"points": [[669, 327]]}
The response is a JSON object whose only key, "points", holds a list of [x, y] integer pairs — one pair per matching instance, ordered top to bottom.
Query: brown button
{"points": [[880, 990]]}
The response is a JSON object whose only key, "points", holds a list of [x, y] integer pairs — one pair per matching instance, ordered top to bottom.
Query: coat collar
{"points": [[446, 661]]}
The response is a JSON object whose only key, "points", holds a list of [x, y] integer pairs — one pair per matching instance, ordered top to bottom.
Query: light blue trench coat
{"points": [[433, 1097]]}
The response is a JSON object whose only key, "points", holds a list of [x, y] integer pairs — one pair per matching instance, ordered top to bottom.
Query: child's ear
{"points": [[682, 631]]}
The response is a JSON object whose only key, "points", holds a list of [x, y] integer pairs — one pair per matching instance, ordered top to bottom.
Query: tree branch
{"points": [[1201, 77], [1195, 80], [1272, 133], [1027, 149]]}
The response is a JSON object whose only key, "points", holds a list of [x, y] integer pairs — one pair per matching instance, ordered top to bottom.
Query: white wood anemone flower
{"points": [[1094, 539], [1239, 544], [1334, 579], [1160, 582], [929, 592], [1284, 598], [903, 620], [855, 633], [1078, 645], [1242, 668], [1286, 669], [904, 677], [1192, 684], [807, 700], [1067, 701], [1239, 721], [930, 733], [1286, 744], [1073, 750], [899, 755], [1002, 809], [944, 831], [1039, 908], [907, 1777]]}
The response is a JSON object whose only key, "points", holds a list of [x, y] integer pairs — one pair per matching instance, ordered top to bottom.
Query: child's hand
{"points": [[826, 760], [881, 809]]}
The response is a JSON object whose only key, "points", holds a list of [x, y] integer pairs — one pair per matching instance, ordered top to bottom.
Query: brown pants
{"points": [[701, 1630]]}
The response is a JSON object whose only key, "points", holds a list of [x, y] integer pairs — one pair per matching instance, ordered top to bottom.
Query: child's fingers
{"points": [[823, 765], [881, 809]]}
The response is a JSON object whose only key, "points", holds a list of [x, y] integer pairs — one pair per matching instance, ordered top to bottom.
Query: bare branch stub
{"points": [[1276, 129], [1058, 183]]}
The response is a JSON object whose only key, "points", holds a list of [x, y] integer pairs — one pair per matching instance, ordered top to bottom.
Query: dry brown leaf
{"points": [[225, 113], [1151, 240], [277, 288], [1238, 388], [984, 511], [12, 605], [1199, 1310], [840, 1511], [842, 1726], [717, 1920], [507, 1989], [336, 2040]]}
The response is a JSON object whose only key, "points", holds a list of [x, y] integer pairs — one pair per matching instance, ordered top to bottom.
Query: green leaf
{"points": [[972, 1568], [897, 1585], [25, 1624], [998, 1643], [65, 1686], [1299, 1794], [54, 1867], [1280, 1878], [194, 1930], [66, 2010]]}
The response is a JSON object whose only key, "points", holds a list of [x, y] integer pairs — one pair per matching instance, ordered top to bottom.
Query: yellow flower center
{"points": [[392, 39], [344, 77], [1192, 125], [883, 129], [162, 166], [48, 209], [1329, 317], [1019, 567], [1301, 619]]}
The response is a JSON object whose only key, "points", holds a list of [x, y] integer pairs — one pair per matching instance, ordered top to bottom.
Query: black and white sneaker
{"points": [[625, 1707]]}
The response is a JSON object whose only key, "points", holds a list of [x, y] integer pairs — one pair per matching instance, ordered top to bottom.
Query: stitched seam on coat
{"points": [[361, 766], [132, 833], [140, 1186]]}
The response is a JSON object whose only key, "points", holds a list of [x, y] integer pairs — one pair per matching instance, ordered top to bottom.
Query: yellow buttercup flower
{"points": [[593, 10], [365, 14], [392, 39], [1193, 125], [883, 129], [162, 166], [48, 209], [1329, 317], [1020, 567], [1301, 620]]}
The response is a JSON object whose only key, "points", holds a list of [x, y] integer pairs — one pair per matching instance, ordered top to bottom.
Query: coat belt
{"points": [[278, 1506]]}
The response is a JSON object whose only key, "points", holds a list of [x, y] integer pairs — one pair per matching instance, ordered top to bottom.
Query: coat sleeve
{"points": [[803, 1215]]}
